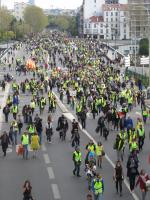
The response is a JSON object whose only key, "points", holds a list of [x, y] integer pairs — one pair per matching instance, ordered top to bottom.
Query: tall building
{"points": [[32, 2], [92, 8], [139, 17], [106, 19], [115, 21]]}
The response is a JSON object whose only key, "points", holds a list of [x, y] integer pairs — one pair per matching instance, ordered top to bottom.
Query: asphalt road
{"points": [[51, 173]]}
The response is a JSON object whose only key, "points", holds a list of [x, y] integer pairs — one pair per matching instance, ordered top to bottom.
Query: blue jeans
{"points": [[14, 137], [40, 137], [25, 152], [98, 197]]}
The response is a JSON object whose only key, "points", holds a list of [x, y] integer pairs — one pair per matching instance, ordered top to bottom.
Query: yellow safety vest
{"points": [[32, 104], [15, 109], [31, 129], [141, 132], [25, 140], [134, 146], [91, 147], [99, 150], [78, 156], [98, 187]]}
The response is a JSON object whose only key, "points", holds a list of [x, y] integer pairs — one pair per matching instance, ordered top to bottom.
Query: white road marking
{"points": [[70, 117], [43, 147], [9, 150], [46, 158], [50, 173], [56, 192]]}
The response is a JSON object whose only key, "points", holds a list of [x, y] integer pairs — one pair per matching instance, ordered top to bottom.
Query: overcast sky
{"points": [[51, 3]]}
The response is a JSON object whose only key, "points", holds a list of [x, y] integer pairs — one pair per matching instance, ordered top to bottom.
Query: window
{"points": [[94, 1], [106, 13], [111, 13], [116, 14], [106, 19], [111, 19], [85, 25], [89, 25], [95, 25], [102, 25], [116, 25], [101, 31], [107, 31]]}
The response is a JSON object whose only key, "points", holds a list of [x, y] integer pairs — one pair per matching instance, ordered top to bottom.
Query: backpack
{"points": [[49, 129]]}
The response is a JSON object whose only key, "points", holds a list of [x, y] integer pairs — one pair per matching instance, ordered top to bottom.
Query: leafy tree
{"points": [[5, 19], [36, 19], [63, 23], [73, 26], [144, 47]]}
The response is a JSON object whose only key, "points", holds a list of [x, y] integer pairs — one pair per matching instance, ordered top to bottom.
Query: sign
{"points": [[144, 60], [127, 61]]}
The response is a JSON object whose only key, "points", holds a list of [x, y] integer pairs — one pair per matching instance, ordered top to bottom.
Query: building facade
{"points": [[92, 8], [19, 9], [139, 17], [116, 22], [111, 24], [94, 27]]}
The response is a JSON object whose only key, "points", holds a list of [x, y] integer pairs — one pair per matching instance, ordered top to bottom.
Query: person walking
{"points": [[6, 111], [83, 118], [20, 124], [49, 130], [141, 137], [4, 142], [25, 143], [35, 144], [99, 154], [77, 158], [132, 170], [118, 177], [141, 181], [98, 187], [27, 191]]}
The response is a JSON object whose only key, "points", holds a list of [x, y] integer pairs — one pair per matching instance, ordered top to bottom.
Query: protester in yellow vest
{"points": [[25, 143], [99, 154]]}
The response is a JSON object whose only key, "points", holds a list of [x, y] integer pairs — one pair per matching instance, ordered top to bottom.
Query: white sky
{"points": [[47, 3], [51, 3]]}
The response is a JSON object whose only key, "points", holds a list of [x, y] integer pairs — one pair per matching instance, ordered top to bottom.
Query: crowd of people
{"points": [[88, 83]]}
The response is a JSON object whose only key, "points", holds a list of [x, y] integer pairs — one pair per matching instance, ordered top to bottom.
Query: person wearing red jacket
{"points": [[141, 181]]}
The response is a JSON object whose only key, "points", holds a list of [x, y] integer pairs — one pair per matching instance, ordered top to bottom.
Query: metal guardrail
{"points": [[137, 76]]}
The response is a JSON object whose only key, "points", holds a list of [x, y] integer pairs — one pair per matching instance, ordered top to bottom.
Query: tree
{"points": [[36, 19], [5, 21], [62, 23], [73, 26], [144, 47]]}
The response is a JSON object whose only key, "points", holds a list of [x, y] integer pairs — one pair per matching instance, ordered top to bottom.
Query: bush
{"points": [[144, 47]]}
